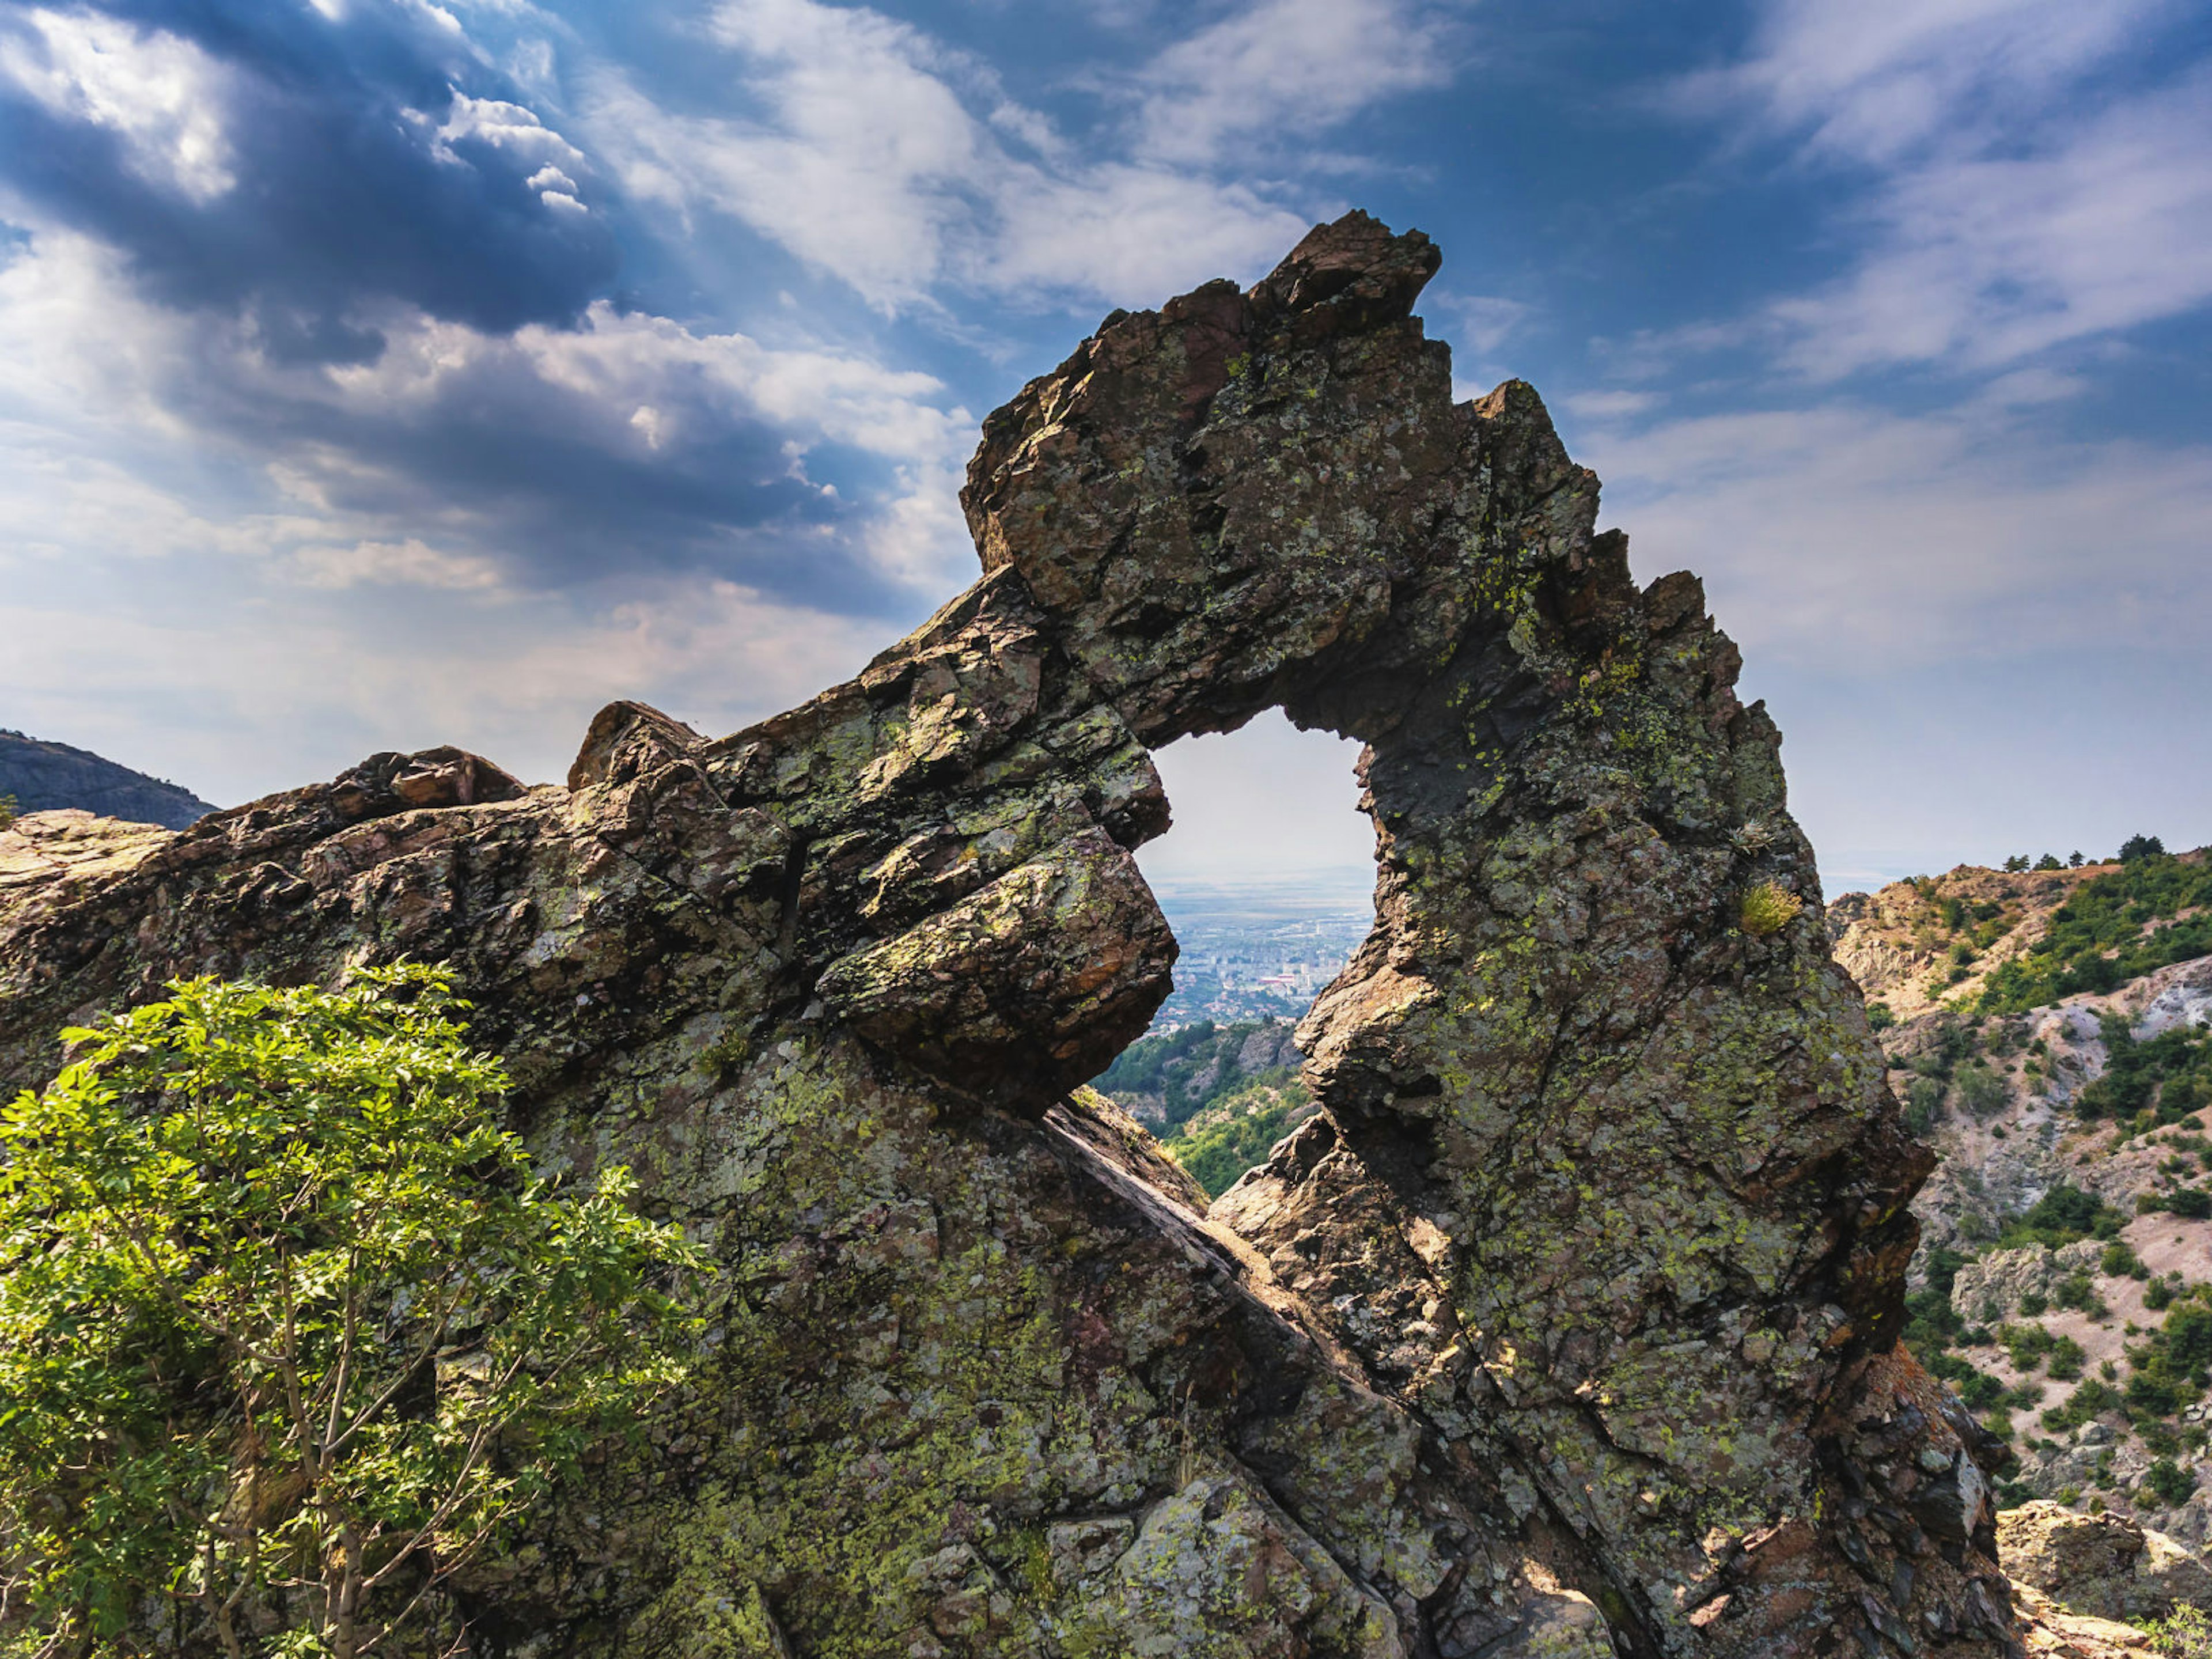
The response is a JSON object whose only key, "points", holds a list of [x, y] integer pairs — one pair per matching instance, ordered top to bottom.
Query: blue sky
{"points": [[378, 373]]}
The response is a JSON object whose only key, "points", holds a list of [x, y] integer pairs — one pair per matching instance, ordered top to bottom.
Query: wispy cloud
{"points": [[1279, 67], [875, 153], [2012, 195], [1851, 539]]}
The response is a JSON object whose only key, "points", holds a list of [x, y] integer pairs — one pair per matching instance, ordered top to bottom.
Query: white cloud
{"points": [[1278, 66], [1875, 80], [159, 92], [900, 167], [2014, 201], [1847, 539], [410, 563]]}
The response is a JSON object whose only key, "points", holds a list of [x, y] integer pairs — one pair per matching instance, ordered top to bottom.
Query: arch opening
{"points": [[1267, 879]]}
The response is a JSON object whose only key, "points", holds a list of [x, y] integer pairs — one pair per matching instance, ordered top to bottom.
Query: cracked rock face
{"points": [[1566, 1328]]}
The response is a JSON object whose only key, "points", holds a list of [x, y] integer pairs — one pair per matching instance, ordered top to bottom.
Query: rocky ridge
{"points": [[1568, 1326]]}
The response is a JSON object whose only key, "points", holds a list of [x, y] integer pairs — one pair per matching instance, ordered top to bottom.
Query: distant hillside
{"points": [[43, 775], [2050, 1034], [1217, 1095]]}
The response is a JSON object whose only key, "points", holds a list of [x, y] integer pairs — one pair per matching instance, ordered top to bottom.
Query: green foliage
{"points": [[6, 811], [2135, 848], [2049, 861], [2015, 864], [1768, 908], [2127, 914], [1879, 1016], [1190, 1068], [2169, 1076], [1981, 1090], [1923, 1105], [1236, 1133], [2190, 1203], [2063, 1215], [2120, 1261], [289, 1332], [2067, 1358], [2089, 1400], [2172, 1483], [2184, 1633]]}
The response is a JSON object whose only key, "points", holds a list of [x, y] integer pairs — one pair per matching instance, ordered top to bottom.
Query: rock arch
{"points": [[1573, 1314]]}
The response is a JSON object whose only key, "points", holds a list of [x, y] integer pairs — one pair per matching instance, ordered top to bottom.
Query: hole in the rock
{"points": [[1267, 878]]}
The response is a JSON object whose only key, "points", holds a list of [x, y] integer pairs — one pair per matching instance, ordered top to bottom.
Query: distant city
{"points": [[1260, 949]]}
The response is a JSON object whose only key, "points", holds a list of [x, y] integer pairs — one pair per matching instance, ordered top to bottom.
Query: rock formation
{"points": [[1568, 1328]]}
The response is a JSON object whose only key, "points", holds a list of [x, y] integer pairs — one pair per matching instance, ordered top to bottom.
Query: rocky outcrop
{"points": [[43, 776], [1569, 1324], [2103, 1566]]}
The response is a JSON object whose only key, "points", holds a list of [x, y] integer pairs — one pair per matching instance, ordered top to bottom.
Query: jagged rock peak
{"points": [[1567, 1326]]}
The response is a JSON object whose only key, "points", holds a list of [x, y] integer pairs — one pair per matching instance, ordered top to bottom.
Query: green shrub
{"points": [[6, 811], [1768, 908], [1981, 1090], [1923, 1105], [271, 1242], [2120, 1261], [2079, 1292], [2067, 1358], [2184, 1633]]}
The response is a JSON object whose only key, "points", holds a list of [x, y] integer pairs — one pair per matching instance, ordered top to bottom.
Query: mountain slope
{"points": [[43, 775], [2052, 1034]]}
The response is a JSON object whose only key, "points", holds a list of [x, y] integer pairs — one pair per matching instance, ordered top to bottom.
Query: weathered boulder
{"points": [[1569, 1323], [2105, 1566]]}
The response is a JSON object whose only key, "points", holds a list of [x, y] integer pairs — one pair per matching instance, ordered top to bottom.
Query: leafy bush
{"points": [[6, 811], [2135, 848], [1768, 908], [1880, 1017], [1981, 1090], [1923, 1105], [2190, 1203], [2063, 1215], [270, 1245], [2067, 1358], [2087, 1401], [2172, 1483], [2184, 1633]]}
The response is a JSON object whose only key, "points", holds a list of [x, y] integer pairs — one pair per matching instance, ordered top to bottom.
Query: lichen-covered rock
{"points": [[1568, 1324], [2103, 1566]]}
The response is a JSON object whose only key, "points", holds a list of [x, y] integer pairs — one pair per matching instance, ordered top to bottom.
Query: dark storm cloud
{"points": [[342, 188], [321, 196]]}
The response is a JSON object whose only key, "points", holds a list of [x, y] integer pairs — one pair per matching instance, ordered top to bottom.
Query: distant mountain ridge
{"points": [[43, 775]]}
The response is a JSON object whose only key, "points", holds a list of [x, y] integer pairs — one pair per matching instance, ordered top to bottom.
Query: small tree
{"points": [[6, 811], [2136, 848], [289, 1331]]}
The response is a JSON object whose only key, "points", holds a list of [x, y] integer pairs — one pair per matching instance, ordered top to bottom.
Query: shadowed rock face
{"points": [[1566, 1328]]}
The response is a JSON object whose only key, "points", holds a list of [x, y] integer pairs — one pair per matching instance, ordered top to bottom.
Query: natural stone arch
{"points": [[1587, 1280]]}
